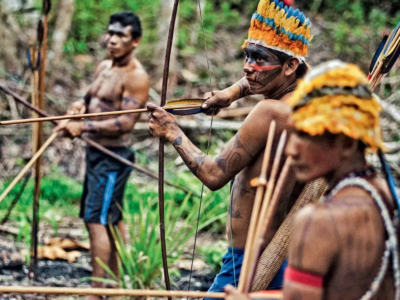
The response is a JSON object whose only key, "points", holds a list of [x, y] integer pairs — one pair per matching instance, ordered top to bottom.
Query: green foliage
{"points": [[91, 18], [354, 29], [55, 188], [59, 196], [213, 255], [140, 261]]}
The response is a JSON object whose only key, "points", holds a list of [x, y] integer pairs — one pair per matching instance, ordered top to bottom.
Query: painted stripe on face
{"points": [[266, 68]]}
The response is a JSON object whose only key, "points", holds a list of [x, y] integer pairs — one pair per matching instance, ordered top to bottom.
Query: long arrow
{"points": [[184, 109], [93, 143]]}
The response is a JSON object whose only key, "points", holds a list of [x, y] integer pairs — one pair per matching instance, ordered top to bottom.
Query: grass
{"points": [[60, 197], [140, 260]]}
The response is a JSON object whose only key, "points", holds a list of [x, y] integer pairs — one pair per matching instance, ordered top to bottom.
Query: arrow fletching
{"points": [[392, 36], [378, 53], [392, 60]]}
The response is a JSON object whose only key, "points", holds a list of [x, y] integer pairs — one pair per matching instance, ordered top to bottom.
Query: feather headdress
{"points": [[281, 28], [336, 97]]}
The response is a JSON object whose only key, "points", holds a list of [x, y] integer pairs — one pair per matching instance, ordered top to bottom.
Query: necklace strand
{"points": [[280, 96]]}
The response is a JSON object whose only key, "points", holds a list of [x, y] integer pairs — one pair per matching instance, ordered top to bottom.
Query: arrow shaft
{"points": [[93, 115], [93, 143], [28, 165]]}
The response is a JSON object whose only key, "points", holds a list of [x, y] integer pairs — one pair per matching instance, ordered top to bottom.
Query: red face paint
{"points": [[264, 68]]}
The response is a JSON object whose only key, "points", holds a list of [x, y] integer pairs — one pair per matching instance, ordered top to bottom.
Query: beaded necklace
{"points": [[280, 96], [366, 172], [391, 244]]}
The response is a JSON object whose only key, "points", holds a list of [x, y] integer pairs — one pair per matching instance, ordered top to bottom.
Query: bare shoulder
{"points": [[105, 64], [137, 76], [136, 82], [270, 110], [312, 215], [313, 236]]}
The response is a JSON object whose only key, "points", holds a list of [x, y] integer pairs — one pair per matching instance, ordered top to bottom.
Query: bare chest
{"points": [[106, 91]]}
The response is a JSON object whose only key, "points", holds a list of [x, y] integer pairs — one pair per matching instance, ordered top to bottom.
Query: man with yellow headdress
{"points": [[275, 59], [346, 246]]}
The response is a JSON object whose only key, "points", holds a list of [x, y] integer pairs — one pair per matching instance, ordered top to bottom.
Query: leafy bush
{"points": [[213, 254]]}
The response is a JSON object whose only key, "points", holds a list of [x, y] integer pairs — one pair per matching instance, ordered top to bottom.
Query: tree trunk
{"points": [[65, 11], [163, 29], [9, 34]]}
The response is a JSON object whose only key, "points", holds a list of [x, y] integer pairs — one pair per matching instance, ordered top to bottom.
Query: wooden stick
{"points": [[92, 115], [37, 141], [95, 144], [28, 165], [262, 182], [16, 199], [265, 224], [255, 249], [120, 292]]}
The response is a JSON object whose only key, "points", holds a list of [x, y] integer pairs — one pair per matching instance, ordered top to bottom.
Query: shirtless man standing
{"points": [[273, 63], [120, 83], [339, 246], [346, 246]]}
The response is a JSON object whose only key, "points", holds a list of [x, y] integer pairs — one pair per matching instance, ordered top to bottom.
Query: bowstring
{"points": [[208, 144], [231, 194]]}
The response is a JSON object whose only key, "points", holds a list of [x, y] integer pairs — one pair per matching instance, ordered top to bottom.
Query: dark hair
{"points": [[128, 18], [283, 57], [361, 146]]}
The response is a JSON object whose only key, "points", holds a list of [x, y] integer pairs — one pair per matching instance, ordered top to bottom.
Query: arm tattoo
{"points": [[244, 88], [131, 101], [119, 125], [88, 126], [177, 141], [193, 157], [231, 159]]}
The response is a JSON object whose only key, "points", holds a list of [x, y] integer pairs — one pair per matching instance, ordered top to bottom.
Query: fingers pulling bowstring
{"points": [[208, 143]]}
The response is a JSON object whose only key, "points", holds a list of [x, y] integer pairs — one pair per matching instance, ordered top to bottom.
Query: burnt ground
{"points": [[60, 273]]}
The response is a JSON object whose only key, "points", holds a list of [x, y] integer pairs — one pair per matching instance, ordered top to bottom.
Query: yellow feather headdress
{"points": [[281, 28], [335, 97]]}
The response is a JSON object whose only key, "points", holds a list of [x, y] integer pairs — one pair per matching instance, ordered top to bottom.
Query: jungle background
{"points": [[347, 30]]}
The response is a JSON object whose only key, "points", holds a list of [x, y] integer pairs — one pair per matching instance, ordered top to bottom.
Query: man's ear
{"points": [[136, 42], [291, 66], [348, 145]]}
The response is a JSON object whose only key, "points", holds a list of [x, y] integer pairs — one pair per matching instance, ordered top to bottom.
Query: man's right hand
{"points": [[217, 100], [77, 108]]}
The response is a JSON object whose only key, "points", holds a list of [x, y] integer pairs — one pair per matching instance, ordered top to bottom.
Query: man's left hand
{"points": [[162, 123], [74, 128]]}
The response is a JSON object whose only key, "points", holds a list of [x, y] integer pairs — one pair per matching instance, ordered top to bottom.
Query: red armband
{"points": [[303, 277]]}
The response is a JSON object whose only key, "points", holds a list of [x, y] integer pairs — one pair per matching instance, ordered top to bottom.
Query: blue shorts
{"points": [[104, 186], [230, 272]]}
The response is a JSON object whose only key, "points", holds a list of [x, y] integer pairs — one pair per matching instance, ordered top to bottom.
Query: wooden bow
{"points": [[161, 147]]}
